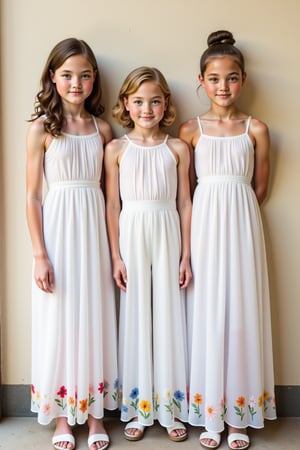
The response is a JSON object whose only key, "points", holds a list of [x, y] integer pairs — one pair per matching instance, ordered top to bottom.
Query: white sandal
{"points": [[177, 426], [210, 435], [134, 437], [238, 437], [63, 438], [97, 438]]}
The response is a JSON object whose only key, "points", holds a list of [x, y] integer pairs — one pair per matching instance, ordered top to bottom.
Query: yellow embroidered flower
{"points": [[168, 394], [38, 395], [266, 395], [259, 401], [145, 405]]}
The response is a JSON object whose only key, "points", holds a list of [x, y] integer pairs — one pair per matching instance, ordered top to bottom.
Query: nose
{"points": [[76, 81], [223, 85], [147, 107]]}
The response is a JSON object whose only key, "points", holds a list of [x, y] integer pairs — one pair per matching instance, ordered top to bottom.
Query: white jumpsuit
{"points": [[153, 376]]}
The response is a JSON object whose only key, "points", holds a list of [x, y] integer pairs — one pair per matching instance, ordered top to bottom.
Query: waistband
{"points": [[225, 179], [74, 184], [148, 205]]}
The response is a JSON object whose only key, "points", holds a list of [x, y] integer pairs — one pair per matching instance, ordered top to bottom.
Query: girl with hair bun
{"points": [[229, 327]]}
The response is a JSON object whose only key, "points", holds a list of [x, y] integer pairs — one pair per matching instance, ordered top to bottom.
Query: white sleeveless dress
{"points": [[74, 338], [230, 347], [153, 375]]}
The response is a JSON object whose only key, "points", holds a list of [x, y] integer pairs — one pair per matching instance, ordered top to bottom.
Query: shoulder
{"points": [[189, 127], [105, 130], [189, 130], [259, 131], [36, 134], [115, 147], [179, 148]]}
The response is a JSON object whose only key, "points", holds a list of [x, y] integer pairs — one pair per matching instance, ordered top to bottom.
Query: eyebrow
{"points": [[217, 74]]}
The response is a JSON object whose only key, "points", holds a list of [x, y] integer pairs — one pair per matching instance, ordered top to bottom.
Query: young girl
{"points": [[148, 170], [229, 319], [74, 363]]}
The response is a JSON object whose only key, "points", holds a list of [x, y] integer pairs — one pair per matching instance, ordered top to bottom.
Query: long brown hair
{"points": [[48, 102]]}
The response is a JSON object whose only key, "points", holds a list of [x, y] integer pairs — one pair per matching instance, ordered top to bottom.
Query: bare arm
{"points": [[259, 131], [189, 132], [106, 136], [36, 141], [184, 206], [113, 208]]}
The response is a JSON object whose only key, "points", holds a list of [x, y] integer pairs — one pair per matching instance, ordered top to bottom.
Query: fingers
{"points": [[185, 277], [121, 279], [46, 283]]}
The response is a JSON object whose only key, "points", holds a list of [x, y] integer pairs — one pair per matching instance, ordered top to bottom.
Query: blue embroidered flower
{"points": [[134, 393], [179, 395], [124, 408]]}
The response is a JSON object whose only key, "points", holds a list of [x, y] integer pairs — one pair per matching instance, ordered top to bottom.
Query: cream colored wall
{"points": [[170, 35]]}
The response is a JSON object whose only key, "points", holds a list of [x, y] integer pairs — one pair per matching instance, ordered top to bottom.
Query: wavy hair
{"points": [[131, 84], [48, 102]]}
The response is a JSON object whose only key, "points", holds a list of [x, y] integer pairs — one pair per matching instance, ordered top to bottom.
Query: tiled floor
{"points": [[26, 434]]}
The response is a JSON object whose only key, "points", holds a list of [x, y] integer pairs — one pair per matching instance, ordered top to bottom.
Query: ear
{"points": [[52, 75], [244, 78], [201, 80], [167, 100], [125, 101]]}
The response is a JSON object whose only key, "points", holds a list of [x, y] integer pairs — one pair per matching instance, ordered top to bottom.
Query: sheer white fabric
{"points": [[229, 329], [74, 360]]}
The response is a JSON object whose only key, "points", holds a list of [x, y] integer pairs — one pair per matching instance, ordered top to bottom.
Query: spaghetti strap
{"points": [[95, 123], [248, 124], [200, 125], [166, 138], [129, 140]]}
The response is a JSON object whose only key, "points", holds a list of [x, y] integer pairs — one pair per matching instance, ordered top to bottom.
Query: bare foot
{"points": [[62, 427], [96, 427], [239, 443]]}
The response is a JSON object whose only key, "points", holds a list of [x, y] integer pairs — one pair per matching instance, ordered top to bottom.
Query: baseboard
{"points": [[15, 401]]}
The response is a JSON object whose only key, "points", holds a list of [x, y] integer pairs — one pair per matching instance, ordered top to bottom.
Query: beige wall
{"points": [[170, 35]]}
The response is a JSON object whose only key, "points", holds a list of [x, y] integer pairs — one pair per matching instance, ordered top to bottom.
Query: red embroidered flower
{"points": [[101, 387], [62, 392]]}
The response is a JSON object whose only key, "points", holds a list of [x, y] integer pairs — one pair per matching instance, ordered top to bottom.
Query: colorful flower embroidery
{"points": [[61, 393], [134, 395], [178, 398], [198, 400], [156, 402], [83, 405], [145, 407], [251, 407], [239, 409], [211, 412]]}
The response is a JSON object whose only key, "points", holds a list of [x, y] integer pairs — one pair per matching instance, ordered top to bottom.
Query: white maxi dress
{"points": [[74, 336], [230, 347], [153, 361]]}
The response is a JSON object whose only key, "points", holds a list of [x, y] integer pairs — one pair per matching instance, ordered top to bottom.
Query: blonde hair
{"points": [[131, 84]]}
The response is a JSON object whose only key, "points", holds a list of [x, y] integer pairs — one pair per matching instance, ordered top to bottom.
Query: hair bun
{"points": [[220, 37]]}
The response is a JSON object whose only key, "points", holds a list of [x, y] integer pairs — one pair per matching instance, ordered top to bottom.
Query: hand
{"points": [[44, 274], [185, 274], [120, 275]]}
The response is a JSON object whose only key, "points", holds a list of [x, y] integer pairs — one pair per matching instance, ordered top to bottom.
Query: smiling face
{"points": [[74, 79], [222, 80], [147, 105]]}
